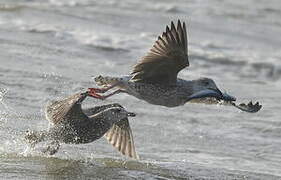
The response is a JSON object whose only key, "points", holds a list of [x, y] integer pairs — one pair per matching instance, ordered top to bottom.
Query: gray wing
{"points": [[165, 59], [249, 107], [66, 109], [120, 134], [121, 137]]}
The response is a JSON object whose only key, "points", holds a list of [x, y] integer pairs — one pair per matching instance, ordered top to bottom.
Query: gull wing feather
{"points": [[165, 59], [66, 110], [121, 137]]}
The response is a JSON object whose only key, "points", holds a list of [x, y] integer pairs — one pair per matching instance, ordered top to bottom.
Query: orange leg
{"points": [[102, 90], [95, 95]]}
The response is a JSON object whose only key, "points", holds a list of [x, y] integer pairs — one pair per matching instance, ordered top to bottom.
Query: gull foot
{"points": [[97, 90], [94, 94]]}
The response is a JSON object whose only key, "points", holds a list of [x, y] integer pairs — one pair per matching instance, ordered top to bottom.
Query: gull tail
{"points": [[106, 81]]}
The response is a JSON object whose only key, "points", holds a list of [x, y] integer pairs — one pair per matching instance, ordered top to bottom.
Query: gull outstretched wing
{"points": [[165, 59], [60, 111], [121, 137]]}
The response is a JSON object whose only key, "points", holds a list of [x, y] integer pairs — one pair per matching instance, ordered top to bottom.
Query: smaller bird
{"points": [[72, 125]]}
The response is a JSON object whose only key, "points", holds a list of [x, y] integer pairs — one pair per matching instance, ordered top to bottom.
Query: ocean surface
{"points": [[52, 49]]}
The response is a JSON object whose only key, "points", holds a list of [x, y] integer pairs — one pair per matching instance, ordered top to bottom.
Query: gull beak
{"points": [[86, 93], [212, 93], [227, 97], [131, 114]]}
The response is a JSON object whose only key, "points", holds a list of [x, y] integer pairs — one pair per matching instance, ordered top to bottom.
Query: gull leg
{"points": [[102, 90], [95, 95]]}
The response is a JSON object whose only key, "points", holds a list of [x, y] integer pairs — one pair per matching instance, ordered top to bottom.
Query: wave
{"points": [[71, 3], [159, 6], [11, 7], [169, 8], [102, 41], [205, 55], [248, 66], [111, 168]]}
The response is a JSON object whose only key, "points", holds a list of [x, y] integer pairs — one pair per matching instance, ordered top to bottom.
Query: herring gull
{"points": [[154, 78], [72, 125]]}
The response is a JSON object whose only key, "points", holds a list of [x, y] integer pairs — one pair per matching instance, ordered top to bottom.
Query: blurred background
{"points": [[52, 49]]}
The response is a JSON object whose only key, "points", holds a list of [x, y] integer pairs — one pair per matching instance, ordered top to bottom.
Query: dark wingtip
{"points": [[172, 25], [179, 25], [183, 25], [167, 29]]}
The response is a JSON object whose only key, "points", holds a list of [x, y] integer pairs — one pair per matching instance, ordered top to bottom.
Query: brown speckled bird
{"points": [[154, 78], [70, 124]]}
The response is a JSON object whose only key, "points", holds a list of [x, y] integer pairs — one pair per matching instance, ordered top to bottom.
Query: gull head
{"points": [[204, 83], [207, 88], [115, 114]]}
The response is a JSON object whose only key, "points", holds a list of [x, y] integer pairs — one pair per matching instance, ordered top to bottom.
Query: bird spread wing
{"points": [[165, 59], [66, 109], [120, 134], [121, 137]]}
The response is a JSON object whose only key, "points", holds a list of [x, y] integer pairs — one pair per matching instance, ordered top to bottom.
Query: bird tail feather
{"points": [[106, 81]]}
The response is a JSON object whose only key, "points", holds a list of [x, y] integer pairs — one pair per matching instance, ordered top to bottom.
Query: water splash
{"points": [[3, 92], [5, 110], [3, 114]]}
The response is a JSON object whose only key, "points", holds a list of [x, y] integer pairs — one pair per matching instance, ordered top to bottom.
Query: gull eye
{"points": [[206, 83], [118, 110]]}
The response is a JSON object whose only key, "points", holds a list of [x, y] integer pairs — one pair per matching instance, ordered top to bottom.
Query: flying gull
{"points": [[154, 78], [71, 125]]}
